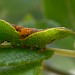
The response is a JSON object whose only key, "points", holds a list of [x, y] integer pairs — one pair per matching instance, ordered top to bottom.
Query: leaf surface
{"points": [[16, 61]]}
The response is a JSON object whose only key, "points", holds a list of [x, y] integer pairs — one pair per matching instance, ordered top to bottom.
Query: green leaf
{"points": [[61, 11], [10, 57], [13, 61], [19, 70]]}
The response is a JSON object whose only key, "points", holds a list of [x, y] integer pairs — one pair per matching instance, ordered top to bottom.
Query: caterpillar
{"points": [[24, 31], [8, 33], [31, 37], [42, 38]]}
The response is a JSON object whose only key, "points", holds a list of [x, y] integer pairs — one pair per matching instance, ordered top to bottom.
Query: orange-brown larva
{"points": [[24, 31]]}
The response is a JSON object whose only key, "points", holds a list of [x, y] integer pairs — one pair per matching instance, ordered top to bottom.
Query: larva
{"points": [[24, 31], [8, 32], [31, 37], [42, 38]]}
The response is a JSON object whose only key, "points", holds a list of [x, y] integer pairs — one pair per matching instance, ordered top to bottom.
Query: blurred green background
{"points": [[44, 14]]}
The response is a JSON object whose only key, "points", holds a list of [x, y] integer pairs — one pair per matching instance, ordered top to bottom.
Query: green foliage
{"points": [[61, 12], [58, 13], [19, 56], [15, 61], [20, 70]]}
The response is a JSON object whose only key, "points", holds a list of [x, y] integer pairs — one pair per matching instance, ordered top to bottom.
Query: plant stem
{"points": [[64, 52]]}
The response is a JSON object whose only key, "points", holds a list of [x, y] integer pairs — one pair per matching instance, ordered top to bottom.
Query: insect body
{"points": [[24, 31], [8, 32], [31, 37], [42, 38]]}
